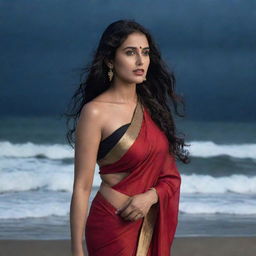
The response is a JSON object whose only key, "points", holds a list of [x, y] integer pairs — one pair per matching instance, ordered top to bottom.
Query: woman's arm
{"points": [[88, 135]]}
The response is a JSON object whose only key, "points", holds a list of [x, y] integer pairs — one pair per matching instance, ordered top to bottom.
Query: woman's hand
{"points": [[137, 206]]}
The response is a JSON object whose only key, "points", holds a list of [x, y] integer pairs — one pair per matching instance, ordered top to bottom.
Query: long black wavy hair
{"points": [[155, 93]]}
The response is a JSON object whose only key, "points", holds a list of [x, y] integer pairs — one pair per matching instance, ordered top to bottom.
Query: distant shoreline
{"points": [[192, 246]]}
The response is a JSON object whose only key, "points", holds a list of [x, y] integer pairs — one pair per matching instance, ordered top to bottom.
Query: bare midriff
{"points": [[114, 197]]}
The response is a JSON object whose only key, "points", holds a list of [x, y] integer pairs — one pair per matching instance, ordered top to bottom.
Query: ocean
{"points": [[218, 191]]}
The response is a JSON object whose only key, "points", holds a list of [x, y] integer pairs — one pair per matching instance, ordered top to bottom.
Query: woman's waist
{"points": [[114, 197]]}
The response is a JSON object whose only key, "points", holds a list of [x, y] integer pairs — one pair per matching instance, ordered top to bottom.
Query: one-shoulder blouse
{"points": [[111, 140]]}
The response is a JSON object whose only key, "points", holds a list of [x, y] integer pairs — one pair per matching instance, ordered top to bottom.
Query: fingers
{"points": [[125, 206], [130, 211], [133, 216], [138, 216]]}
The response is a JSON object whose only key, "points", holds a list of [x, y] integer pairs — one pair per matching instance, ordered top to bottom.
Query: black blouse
{"points": [[111, 140]]}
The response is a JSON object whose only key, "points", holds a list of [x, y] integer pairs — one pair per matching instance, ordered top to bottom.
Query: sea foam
{"points": [[61, 151]]}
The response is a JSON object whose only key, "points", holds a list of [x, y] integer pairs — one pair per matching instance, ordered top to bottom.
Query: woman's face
{"points": [[132, 55]]}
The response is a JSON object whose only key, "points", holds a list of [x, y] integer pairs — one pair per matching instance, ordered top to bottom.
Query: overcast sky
{"points": [[210, 45]]}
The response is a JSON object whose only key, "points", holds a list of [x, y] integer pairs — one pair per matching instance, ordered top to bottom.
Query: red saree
{"points": [[143, 152]]}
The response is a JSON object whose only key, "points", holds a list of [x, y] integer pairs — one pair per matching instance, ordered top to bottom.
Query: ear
{"points": [[108, 63]]}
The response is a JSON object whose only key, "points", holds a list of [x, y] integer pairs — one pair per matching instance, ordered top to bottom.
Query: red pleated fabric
{"points": [[150, 165]]}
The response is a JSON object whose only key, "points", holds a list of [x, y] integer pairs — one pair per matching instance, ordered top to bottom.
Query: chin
{"points": [[137, 80]]}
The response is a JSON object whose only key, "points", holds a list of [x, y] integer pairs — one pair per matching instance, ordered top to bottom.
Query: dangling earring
{"points": [[110, 74], [144, 79]]}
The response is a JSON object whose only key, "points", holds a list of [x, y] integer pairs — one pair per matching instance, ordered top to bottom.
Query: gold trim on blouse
{"points": [[128, 138]]}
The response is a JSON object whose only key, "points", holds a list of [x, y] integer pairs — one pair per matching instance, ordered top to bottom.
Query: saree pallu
{"points": [[143, 152]]}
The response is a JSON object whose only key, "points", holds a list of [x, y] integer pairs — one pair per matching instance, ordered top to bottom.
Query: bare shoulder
{"points": [[100, 106], [90, 111], [94, 112], [88, 130]]}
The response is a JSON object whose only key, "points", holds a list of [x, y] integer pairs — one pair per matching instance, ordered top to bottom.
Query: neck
{"points": [[123, 92]]}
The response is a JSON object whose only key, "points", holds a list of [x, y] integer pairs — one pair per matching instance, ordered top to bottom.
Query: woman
{"points": [[123, 123]]}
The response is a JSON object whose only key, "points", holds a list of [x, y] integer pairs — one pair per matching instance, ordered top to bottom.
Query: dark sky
{"points": [[210, 45]]}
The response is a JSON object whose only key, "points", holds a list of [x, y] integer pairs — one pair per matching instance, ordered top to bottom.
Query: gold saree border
{"points": [[126, 141], [146, 231]]}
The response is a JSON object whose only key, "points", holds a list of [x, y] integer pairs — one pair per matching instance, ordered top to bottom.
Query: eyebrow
{"points": [[134, 48]]}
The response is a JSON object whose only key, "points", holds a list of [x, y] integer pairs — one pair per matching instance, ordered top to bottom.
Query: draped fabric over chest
{"points": [[143, 152]]}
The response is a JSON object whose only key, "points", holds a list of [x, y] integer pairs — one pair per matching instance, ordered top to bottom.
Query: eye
{"points": [[129, 52], [146, 53]]}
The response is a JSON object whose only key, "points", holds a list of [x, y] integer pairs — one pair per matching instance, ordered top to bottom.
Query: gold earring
{"points": [[110, 74], [145, 79]]}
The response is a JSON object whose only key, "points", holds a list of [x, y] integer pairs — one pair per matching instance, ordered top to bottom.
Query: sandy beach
{"points": [[189, 246]]}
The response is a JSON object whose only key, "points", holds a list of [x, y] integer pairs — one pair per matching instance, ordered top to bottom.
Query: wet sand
{"points": [[189, 246]]}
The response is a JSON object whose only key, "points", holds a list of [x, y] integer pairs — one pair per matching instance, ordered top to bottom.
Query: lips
{"points": [[138, 71]]}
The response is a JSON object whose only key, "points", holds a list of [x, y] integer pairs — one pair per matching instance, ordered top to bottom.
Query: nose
{"points": [[139, 59]]}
